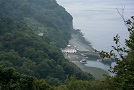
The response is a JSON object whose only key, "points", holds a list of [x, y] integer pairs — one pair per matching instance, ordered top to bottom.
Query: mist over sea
{"points": [[99, 19]]}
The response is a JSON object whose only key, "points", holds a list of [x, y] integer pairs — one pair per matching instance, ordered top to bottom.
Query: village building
{"points": [[69, 49]]}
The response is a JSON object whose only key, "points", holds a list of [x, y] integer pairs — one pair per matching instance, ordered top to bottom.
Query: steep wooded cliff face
{"points": [[42, 16], [29, 53]]}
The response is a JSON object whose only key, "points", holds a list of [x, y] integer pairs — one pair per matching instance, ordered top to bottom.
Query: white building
{"points": [[40, 34], [69, 49]]}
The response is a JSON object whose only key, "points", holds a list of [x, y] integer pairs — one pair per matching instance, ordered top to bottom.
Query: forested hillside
{"points": [[42, 16], [31, 35], [29, 53]]}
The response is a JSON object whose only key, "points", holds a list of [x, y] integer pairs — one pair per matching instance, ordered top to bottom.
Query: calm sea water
{"points": [[99, 19]]}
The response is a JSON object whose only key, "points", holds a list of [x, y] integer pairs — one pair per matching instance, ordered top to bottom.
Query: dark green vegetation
{"points": [[41, 16], [28, 53], [37, 61], [125, 69], [10, 80]]}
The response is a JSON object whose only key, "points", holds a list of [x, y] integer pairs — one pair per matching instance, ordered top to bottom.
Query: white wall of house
{"points": [[69, 50]]}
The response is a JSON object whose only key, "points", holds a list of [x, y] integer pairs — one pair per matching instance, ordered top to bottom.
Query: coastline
{"points": [[80, 42], [83, 45]]}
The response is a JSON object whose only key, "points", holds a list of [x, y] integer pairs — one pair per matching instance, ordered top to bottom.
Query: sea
{"points": [[99, 20]]}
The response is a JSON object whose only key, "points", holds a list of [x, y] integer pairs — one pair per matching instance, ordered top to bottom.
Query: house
{"points": [[69, 49]]}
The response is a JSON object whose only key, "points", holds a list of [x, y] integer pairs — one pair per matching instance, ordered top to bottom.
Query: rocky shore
{"points": [[80, 42], [82, 45]]}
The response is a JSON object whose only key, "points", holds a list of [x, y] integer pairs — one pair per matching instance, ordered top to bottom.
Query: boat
{"points": [[99, 60], [84, 61]]}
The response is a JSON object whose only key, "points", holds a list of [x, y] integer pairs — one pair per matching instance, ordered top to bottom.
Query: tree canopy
{"points": [[29, 53], [30, 61]]}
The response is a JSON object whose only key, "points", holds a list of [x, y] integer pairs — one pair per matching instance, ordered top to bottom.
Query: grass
{"points": [[96, 72]]}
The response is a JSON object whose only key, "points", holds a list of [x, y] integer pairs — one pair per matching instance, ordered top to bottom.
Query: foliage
{"points": [[42, 16], [28, 53], [124, 71], [11, 80], [73, 84]]}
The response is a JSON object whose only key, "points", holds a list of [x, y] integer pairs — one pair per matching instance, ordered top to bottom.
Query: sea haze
{"points": [[99, 19]]}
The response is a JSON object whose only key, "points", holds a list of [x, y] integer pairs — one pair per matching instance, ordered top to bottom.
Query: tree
{"points": [[124, 69], [11, 80], [73, 84], [42, 85]]}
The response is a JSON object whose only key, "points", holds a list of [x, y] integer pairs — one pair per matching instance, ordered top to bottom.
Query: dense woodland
{"points": [[28, 53], [32, 62]]}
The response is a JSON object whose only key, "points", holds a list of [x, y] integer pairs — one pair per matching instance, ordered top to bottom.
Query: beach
{"points": [[80, 42], [82, 45]]}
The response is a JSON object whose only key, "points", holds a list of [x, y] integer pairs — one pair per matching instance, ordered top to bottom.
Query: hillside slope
{"points": [[42, 16], [29, 53]]}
